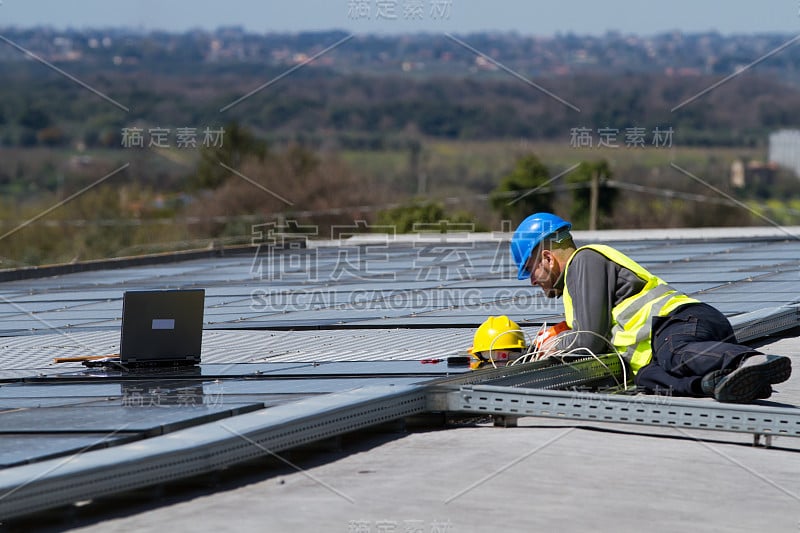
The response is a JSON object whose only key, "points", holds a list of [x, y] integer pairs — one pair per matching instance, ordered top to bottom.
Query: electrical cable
{"points": [[575, 333], [494, 339], [533, 353], [536, 354]]}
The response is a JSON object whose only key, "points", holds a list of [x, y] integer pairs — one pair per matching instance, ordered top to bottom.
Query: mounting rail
{"points": [[664, 411]]}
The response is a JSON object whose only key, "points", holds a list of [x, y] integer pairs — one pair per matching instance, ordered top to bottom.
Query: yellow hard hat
{"points": [[496, 337]]}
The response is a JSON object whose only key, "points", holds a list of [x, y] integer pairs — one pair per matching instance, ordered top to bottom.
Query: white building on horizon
{"points": [[784, 149]]}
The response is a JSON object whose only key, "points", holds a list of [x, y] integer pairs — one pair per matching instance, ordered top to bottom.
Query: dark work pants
{"points": [[692, 341]]}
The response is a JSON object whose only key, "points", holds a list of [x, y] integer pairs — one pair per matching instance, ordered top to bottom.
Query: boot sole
{"points": [[747, 384]]}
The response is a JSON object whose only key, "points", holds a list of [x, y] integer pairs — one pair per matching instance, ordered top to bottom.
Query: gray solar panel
{"points": [[241, 297]]}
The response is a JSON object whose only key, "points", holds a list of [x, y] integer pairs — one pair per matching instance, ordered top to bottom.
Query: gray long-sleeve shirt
{"points": [[596, 284]]}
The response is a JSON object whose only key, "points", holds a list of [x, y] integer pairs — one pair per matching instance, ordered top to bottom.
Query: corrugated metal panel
{"points": [[249, 346]]}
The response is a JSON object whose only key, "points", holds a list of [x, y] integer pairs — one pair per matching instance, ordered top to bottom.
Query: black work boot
{"points": [[712, 379], [751, 380]]}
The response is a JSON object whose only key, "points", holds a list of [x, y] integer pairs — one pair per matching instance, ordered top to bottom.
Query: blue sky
{"points": [[458, 16]]}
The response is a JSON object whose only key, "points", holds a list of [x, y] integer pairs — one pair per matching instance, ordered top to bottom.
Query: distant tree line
{"points": [[40, 108]]}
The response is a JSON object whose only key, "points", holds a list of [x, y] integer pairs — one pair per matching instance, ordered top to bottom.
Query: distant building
{"points": [[784, 149], [754, 173], [737, 174]]}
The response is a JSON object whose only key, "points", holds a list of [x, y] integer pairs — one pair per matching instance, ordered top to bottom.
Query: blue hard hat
{"points": [[531, 232]]}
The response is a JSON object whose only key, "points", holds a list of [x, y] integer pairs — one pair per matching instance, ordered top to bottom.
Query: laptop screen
{"points": [[163, 326]]}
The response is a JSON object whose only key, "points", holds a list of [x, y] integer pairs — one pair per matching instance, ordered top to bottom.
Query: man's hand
{"points": [[545, 340]]}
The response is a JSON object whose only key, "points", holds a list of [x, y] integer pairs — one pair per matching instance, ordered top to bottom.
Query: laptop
{"points": [[162, 327]]}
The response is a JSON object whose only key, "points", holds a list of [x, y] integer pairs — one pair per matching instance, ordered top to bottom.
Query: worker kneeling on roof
{"points": [[672, 342]]}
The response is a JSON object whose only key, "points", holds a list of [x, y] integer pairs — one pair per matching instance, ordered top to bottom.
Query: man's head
{"points": [[541, 246], [547, 262]]}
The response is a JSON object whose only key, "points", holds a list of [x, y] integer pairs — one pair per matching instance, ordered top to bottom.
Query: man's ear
{"points": [[553, 262]]}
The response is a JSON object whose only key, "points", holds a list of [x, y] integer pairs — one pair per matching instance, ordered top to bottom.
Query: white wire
{"points": [[491, 344], [532, 351], [567, 351], [535, 354]]}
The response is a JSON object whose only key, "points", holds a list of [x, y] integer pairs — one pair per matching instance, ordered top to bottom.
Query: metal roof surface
{"points": [[296, 324]]}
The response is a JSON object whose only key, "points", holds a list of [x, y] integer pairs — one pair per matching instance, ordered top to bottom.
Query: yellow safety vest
{"points": [[631, 318]]}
